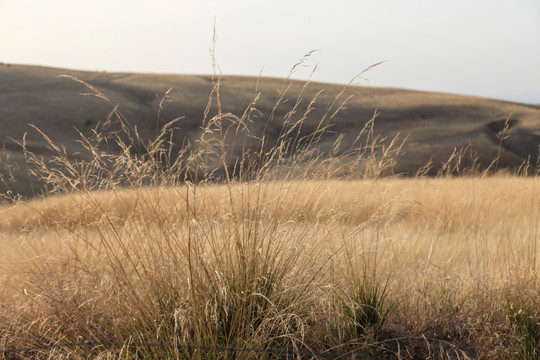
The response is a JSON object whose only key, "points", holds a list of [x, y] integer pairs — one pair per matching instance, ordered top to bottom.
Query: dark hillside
{"points": [[435, 124]]}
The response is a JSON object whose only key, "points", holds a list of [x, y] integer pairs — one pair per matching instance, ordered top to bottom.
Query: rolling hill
{"points": [[433, 125]]}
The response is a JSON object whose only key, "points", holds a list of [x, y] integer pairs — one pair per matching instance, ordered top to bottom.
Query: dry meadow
{"points": [[282, 254]]}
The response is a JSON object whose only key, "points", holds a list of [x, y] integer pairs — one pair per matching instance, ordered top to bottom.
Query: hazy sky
{"points": [[479, 47]]}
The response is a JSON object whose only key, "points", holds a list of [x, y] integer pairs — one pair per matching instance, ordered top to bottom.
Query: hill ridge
{"points": [[435, 123]]}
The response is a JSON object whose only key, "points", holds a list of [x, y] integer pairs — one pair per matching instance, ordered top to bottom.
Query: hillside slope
{"points": [[434, 124]]}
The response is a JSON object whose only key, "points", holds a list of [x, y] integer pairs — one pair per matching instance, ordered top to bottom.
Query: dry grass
{"points": [[309, 251], [450, 251]]}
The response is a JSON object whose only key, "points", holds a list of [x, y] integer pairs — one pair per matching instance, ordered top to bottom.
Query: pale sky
{"points": [[488, 48]]}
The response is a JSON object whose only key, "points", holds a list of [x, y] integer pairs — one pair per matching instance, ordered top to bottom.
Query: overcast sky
{"points": [[488, 48]]}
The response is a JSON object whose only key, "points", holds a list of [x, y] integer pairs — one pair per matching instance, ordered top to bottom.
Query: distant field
{"points": [[433, 124]]}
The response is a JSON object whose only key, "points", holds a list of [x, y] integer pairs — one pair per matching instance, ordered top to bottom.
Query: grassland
{"points": [[258, 242], [405, 268]]}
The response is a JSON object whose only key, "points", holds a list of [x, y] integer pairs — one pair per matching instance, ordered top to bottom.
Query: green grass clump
{"points": [[524, 316]]}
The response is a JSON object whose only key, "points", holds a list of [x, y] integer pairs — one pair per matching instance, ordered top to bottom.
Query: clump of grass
{"points": [[370, 305], [525, 320]]}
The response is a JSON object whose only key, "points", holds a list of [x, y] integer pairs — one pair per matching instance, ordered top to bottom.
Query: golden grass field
{"points": [[266, 244], [452, 259]]}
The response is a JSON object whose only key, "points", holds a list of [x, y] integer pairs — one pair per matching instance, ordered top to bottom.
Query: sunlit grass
{"points": [[193, 264]]}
